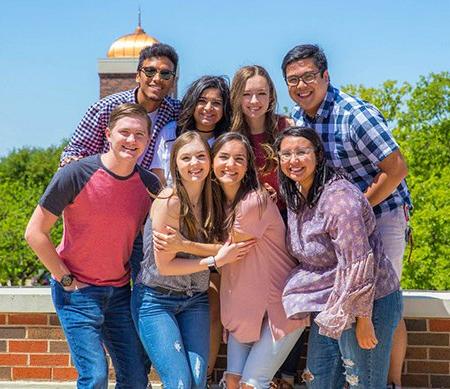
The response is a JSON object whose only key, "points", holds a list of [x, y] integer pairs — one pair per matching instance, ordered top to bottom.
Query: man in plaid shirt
{"points": [[155, 75], [356, 138]]}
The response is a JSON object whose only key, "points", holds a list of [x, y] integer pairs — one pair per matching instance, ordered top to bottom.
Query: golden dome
{"points": [[130, 45]]}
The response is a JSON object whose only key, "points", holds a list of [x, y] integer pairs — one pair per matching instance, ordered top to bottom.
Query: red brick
{"points": [[27, 318], [2, 319], [53, 319], [416, 324], [440, 325], [12, 332], [45, 333], [427, 339], [28, 346], [58, 346], [416, 353], [440, 353], [13, 359], [49, 360], [428, 367], [5, 373], [26, 373], [64, 374], [415, 381], [440, 381]]}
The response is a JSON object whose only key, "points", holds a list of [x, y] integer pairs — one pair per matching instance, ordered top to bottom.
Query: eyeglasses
{"points": [[150, 72], [307, 78], [285, 156]]}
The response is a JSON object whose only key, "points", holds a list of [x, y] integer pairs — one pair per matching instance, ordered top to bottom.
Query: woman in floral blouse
{"points": [[343, 276]]}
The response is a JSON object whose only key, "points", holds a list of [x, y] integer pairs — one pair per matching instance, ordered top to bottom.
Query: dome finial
{"points": [[139, 17]]}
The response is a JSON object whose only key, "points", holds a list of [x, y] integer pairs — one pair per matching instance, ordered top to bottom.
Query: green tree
{"points": [[419, 116], [24, 175]]}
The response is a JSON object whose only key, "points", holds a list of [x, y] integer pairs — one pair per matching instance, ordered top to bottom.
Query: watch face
{"points": [[66, 280]]}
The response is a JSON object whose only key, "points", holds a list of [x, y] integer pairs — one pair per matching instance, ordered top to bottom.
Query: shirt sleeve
{"points": [[371, 135], [89, 137], [162, 152], [61, 191], [252, 215], [354, 286]]}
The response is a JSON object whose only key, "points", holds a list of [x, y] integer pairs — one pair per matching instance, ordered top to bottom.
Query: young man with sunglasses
{"points": [[156, 76], [356, 138]]}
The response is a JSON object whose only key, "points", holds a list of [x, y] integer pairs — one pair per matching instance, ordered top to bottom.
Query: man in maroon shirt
{"points": [[105, 200]]}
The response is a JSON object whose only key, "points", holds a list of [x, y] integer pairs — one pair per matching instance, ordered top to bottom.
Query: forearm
{"points": [[382, 186], [42, 245], [196, 248], [181, 266]]}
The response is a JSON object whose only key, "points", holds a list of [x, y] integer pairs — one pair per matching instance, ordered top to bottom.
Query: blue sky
{"points": [[49, 51]]}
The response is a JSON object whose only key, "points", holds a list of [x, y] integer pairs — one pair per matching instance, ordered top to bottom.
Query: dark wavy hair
{"points": [[158, 50], [186, 122], [323, 173], [248, 184]]}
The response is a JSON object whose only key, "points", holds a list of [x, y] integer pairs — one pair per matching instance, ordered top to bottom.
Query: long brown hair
{"points": [[238, 122], [248, 184], [207, 226]]}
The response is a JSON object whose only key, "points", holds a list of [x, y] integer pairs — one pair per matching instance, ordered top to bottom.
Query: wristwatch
{"points": [[211, 262], [66, 280]]}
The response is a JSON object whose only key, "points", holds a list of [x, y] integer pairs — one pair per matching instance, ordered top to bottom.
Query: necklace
{"points": [[205, 132]]}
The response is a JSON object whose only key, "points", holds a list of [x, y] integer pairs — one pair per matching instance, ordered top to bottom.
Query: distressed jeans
{"points": [[98, 316], [174, 330], [331, 363]]}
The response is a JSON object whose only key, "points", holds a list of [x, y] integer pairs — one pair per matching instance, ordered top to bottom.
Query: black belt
{"points": [[169, 292]]}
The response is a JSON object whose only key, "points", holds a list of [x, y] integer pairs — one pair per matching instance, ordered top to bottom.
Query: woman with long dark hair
{"points": [[205, 109], [343, 278], [169, 301], [259, 334]]}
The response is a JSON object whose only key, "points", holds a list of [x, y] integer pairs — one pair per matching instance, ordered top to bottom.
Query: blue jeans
{"points": [[137, 255], [98, 316], [174, 330], [257, 362], [330, 363]]}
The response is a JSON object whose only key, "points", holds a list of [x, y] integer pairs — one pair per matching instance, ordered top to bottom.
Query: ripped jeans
{"points": [[174, 330], [332, 363]]}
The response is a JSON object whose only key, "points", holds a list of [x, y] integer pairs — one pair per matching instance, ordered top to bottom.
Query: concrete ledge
{"points": [[117, 65], [418, 303]]}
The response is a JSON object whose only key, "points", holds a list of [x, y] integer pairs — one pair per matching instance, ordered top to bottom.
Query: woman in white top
{"points": [[206, 109]]}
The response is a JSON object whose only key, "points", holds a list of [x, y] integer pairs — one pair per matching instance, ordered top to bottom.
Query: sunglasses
{"points": [[150, 72]]}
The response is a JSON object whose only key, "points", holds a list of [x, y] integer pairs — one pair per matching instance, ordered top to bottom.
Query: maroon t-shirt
{"points": [[260, 159], [102, 213]]}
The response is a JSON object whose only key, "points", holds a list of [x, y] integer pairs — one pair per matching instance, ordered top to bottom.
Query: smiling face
{"points": [[154, 88], [308, 96], [256, 97], [208, 110], [128, 138], [298, 161], [193, 162], [230, 164]]}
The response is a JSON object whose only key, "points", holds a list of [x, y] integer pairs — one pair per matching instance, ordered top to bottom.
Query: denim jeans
{"points": [[137, 255], [98, 316], [174, 330], [258, 362], [330, 363]]}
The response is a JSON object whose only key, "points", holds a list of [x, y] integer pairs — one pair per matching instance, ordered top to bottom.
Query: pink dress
{"points": [[252, 287]]}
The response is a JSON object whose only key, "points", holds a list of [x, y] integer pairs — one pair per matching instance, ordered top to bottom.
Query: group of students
{"points": [[235, 222]]}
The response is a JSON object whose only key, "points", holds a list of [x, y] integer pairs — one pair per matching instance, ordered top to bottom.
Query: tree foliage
{"points": [[420, 119], [24, 175]]}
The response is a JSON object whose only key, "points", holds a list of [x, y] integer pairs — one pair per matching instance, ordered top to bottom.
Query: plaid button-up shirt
{"points": [[89, 137], [356, 138]]}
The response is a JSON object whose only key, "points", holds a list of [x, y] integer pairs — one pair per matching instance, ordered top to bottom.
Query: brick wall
{"points": [[113, 83], [32, 346], [428, 355]]}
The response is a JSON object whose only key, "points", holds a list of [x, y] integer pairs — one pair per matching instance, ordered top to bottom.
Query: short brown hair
{"points": [[129, 109]]}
